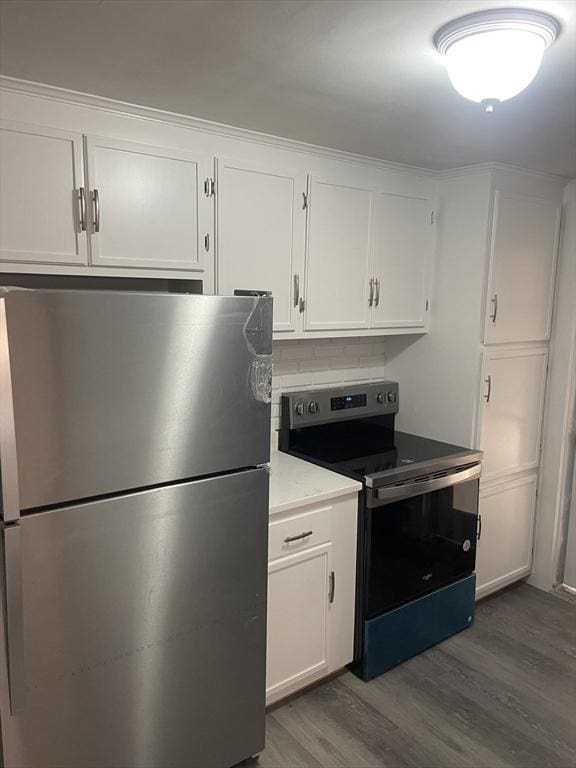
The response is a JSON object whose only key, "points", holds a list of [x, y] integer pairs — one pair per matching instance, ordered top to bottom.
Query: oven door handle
{"points": [[407, 491]]}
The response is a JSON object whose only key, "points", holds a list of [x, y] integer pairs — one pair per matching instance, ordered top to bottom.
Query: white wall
{"points": [[316, 364], [438, 373], [558, 436]]}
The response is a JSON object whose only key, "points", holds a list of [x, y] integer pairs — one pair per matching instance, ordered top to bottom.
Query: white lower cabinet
{"points": [[506, 529], [311, 588], [298, 618]]}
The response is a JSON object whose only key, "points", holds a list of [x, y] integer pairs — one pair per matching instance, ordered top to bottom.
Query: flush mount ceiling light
{"points": [[491, 56]]}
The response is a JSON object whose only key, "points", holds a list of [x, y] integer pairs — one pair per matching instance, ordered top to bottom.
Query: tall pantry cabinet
{"points": [[522, 254], [483, 365]]}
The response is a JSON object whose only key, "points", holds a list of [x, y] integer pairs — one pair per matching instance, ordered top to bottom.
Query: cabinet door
{"points": [[41, 175], [148, 207], [261, 232], [402, 251], [339, 255], [522, 269], [511, 410], [506, 528], [298, 648]]}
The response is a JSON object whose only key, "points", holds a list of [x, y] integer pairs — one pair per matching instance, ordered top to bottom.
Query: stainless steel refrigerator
{"points": [[134, 428]]}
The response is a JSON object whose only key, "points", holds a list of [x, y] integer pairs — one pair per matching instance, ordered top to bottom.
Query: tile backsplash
{"points": [[317, 363]]}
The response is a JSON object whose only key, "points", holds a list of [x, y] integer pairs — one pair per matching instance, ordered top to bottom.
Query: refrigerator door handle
{"points": [[14, 617]]}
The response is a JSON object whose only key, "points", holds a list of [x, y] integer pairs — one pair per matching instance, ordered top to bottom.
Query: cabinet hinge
{"points": [[209, 187], [304, 201], [432, 217]]}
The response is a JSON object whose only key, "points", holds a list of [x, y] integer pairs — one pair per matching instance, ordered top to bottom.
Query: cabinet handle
{"points": [[96, 200], [82, 203], [206, 242], [296, 290], [371, 294], [377, 299], [494, 301], [301, 305], [488, 393], [479, 532], [303, 535], [332, 590]]}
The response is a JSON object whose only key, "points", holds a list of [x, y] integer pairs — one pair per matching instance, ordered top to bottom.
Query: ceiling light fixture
{"points": [[492, 56]]}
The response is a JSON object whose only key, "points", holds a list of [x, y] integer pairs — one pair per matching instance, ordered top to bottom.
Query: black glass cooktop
{"points": [[364, 447], [408, 450]]}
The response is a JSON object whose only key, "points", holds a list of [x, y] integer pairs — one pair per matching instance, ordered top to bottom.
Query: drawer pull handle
{"points": [[303, 535]]}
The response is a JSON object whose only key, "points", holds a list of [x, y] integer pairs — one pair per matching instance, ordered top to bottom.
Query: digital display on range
{"points": [[348, 401]]}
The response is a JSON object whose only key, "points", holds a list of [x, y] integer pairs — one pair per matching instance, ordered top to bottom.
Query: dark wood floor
{"points": [[502, 693]]}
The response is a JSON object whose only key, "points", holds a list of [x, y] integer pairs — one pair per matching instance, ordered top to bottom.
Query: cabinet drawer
{"points": [[317, 524]]}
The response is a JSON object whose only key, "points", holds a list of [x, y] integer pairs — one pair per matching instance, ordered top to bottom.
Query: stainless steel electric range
{"points": [[418, 517]]}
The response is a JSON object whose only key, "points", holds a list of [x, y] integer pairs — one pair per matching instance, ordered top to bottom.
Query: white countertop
{"points": [[294, 482]]}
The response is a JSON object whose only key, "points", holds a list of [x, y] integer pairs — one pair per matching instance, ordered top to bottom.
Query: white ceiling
{"points": [[358, 75]]}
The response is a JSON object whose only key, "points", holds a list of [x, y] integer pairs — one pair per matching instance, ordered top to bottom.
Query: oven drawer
{"points": [[299, 532]]}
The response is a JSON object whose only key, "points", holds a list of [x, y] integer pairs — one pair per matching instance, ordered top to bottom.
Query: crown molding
{"points": [[55, 93], [469, 170]]}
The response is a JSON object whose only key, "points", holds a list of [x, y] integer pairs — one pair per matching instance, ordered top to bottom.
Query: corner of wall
{"points": [[559, 436]]}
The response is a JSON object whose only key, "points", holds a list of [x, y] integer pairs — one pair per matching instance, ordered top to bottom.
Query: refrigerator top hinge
{"points": [[209, 187]]}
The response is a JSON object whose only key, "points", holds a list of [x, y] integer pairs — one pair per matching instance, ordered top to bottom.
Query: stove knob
{"points": [[380, 397], [391, 397], [313, 407], [300, 409]]}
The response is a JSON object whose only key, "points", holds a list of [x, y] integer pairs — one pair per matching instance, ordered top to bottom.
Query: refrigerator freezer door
{"points": [[118, 391], [144, 630]]}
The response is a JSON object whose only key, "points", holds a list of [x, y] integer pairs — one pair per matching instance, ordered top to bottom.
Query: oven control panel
{"points": [[321, 406]]}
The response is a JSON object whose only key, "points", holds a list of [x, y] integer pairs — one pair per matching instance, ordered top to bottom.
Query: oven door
{"points": [[419, 535]]}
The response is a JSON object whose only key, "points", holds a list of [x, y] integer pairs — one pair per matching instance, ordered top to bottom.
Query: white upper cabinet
{"points": [[41, 181], [147, 206], [261, 232], [402, 253], [339, 254], [522, 269], [511, 410]]}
